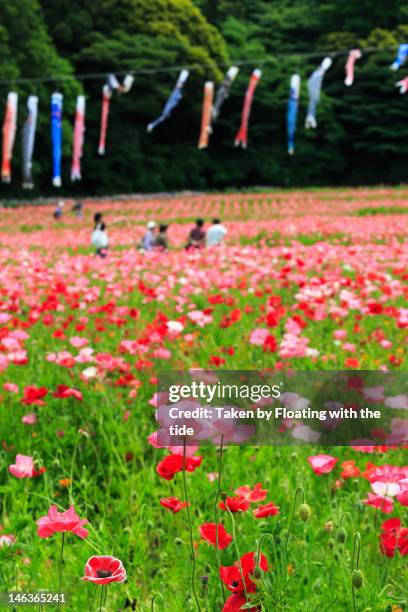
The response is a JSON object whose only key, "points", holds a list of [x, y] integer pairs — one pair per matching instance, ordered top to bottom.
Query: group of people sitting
{"points": [[198, 237], [153, 240]]}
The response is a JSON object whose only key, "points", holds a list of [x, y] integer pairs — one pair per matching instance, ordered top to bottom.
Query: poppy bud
{"points": [[223, 496], [304, 512], [149, 524], [341, 535], [178, 541], [331, 543], [336, 556], [207, 568], [257, 574], [357, 579]]}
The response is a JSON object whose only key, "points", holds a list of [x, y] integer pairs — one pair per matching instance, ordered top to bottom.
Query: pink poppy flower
{"points": [[258, 336], [78, 342], [11, 387], [29, 419], [322, 464], [23, 467], [385, 504], [55, 522], [7, 540], [104, 569]]}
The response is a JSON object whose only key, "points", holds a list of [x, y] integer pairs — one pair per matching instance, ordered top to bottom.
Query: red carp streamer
{"points": [[354, 55], [106, 96], [206, 115], [9, 133], [242, 136], [78, 143]]}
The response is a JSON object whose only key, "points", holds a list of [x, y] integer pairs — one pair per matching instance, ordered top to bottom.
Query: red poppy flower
{"points": [[351, 362], [64, 392], [34, 395], [171, 464], [350, 470], [254, 495], [173, 504], [235, 504], [266, 510], [55, 522], [208, 532], [390, 537], [402, 541], [104, 569], [232, 575], [235, 602]]}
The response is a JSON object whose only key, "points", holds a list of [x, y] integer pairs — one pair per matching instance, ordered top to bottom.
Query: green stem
{"points": [[301, 491], [217, 497], [346, 515], [356, 546], [237, 549], [193, 556], [275, 559], [60, 563], [354, 564], [154, 599], [101, 600]]}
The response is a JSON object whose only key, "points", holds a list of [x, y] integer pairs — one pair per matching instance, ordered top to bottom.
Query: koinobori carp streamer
{"points": [[354, 55], [401, 58], [402, 85], [314, 86], [124, 87], [223, 91], [106, 97], [172, 101], [292, 112], [206, 115], [9, 134], [242, 136], [28, 137], [56, 137], [78, 142]]}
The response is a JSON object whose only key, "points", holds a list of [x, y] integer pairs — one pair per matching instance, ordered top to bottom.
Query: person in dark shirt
{"points": [[77, 209], [58, 211], [196, 239], [161, 241]]}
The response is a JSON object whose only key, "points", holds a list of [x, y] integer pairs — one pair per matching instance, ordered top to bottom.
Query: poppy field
{"points": [[91, 505]]}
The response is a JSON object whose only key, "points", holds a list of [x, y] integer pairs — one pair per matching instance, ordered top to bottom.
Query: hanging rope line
{"points": [[178, 68]]}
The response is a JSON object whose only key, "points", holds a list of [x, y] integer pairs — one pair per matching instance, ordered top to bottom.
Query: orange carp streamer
{"points": [[206, 115], [9, 133]]}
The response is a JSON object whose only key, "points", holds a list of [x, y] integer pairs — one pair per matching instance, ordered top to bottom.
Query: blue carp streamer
{"points": [[402, 55], [172, 101], [292, 112], [56, 137]]}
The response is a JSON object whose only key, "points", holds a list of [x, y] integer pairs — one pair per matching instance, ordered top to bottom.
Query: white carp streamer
{"points": [[28, 136]]}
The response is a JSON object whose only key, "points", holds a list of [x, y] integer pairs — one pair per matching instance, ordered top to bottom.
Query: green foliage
{"points": [[362, 134]]}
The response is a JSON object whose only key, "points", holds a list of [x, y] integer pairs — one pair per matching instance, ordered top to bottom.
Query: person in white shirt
{"points": [[216, 233]]}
